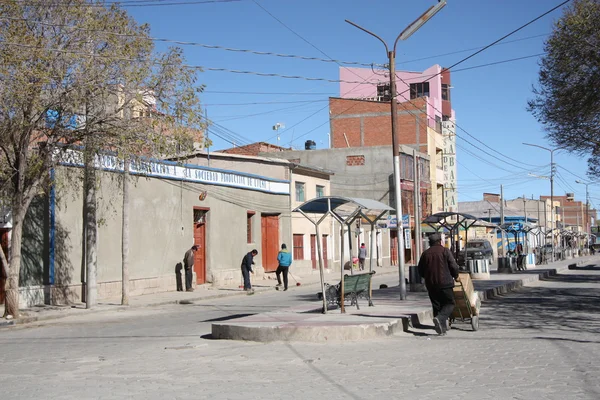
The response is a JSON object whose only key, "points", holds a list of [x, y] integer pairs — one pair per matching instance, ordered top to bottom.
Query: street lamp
{"points": [[405, 34], [551, 185]]}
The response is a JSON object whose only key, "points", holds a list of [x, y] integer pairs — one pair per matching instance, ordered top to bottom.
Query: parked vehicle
{"points": [[476, 249]]}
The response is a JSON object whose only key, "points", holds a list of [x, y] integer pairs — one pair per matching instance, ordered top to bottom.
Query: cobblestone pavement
{"points": [[540, 342]]}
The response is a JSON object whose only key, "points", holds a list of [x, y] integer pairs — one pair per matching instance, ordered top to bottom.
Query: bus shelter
{"points": [[345, 210], [452, 222]]}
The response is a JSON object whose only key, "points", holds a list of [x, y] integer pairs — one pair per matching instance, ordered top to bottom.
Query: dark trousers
{"points": [[361, 263], [283, 270], [246, 275], [188, 278], [442, 302]]}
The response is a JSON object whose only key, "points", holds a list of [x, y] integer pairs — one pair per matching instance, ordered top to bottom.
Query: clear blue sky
{"points": [[490, 102]]}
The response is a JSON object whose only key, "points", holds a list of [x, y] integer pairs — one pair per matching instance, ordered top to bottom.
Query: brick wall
{"points": [[368, 123], [255, 148], [355, 160], [491, 197]]}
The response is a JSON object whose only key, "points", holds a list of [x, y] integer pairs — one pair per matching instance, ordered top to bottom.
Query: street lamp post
{"points": [[391, 54], [551, 186]]}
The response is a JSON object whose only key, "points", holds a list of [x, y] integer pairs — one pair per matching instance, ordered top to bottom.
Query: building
{"points": [[425, 120], [254, 149], [366, 172], [235, 205], [572, 213]]}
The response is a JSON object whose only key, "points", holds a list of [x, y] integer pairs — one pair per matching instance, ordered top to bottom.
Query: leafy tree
{"points": [[76, 73], [567, 100]]}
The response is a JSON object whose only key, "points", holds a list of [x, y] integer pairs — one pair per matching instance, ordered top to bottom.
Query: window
{"points": [[419, 90], [445, 91], [383, 92], [320, 191], [300, 196], [249, 216], [298, 247]]}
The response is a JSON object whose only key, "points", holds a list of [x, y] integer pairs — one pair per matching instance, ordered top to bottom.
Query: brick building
{"points": [[360, 117]]}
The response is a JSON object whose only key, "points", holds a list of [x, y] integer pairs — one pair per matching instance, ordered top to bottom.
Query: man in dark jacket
{"points": [[247, 263], [188, 265], [439, 269]]}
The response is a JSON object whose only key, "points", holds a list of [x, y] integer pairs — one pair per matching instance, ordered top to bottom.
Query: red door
{"points": [[269, 225], [200, 241], [4, 243], [393, 246], [313, 251], [325, 252]]}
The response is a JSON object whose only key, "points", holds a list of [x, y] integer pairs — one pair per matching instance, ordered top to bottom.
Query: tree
{"points": [[72, 74], [567, 100]]}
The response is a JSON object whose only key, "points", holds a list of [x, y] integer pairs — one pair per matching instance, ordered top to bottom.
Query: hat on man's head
{"points": [[435, 238]]}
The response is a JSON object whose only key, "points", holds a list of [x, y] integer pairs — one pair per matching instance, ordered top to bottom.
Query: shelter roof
{"points": [[322, 205]]}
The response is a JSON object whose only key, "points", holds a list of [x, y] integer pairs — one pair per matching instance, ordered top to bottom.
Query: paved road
{"points": [[538, 343]]}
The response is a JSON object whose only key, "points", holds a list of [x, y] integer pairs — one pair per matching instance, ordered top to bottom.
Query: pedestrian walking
{"points": [[362, 254], [284, 259], [247, 263], [188, 265], [439, 269]]}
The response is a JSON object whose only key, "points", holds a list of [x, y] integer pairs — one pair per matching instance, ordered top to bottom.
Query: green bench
{"points": [[355, 286]]}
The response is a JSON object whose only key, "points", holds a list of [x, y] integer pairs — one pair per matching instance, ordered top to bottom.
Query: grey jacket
{"points": [[362, 252]]}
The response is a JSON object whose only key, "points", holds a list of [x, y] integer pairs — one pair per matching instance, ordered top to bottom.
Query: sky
{"points": [[490, 101]]}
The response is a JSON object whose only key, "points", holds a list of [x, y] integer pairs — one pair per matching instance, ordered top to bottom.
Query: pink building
{"points": [[431, 83]]}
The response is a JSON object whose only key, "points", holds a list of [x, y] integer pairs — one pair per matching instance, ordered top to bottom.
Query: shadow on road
{"points": [[563, 309]]}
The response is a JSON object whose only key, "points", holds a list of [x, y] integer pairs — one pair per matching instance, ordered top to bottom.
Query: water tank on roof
{"points": [[310, 145], [570, 196]]}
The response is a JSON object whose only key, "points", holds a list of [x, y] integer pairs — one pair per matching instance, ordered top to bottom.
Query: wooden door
{"points": [[269, 225], [200, 241], [4, 243], [393, 246], [313, 251], [325, 252]]}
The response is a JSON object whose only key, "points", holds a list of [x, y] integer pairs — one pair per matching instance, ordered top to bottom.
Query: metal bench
{"points": [[355, 286]]}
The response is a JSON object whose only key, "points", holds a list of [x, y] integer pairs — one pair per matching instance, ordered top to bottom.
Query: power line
{"points": [[124, 3], [495, 42], [195, 44], [471, 49], [196, 67], [268, 93], [266, 102], [472, 136]]}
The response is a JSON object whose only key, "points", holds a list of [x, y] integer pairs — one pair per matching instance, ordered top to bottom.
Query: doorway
{"points": [[269, 225], [200, 241], [4, 243], [394, 246]]}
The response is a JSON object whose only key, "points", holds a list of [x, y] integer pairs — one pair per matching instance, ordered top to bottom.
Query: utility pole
{"points": [[412, 28], [207, 141], [417, 207], [587, 208], [552, 213], [490, 215], [502, 217]]}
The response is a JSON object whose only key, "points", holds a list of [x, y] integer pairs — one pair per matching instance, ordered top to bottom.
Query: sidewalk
{"points": [[202, 292], [389, 316]]}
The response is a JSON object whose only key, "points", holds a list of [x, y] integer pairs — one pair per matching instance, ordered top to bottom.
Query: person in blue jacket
{"points": [[285, 260]]}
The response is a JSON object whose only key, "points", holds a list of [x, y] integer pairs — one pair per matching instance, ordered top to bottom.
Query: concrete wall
{"points": [[371, 178], [301, 225], [161, 230]]}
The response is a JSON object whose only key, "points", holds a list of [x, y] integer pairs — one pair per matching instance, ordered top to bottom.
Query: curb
{"points": [[31, 319], [324, 331]]}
